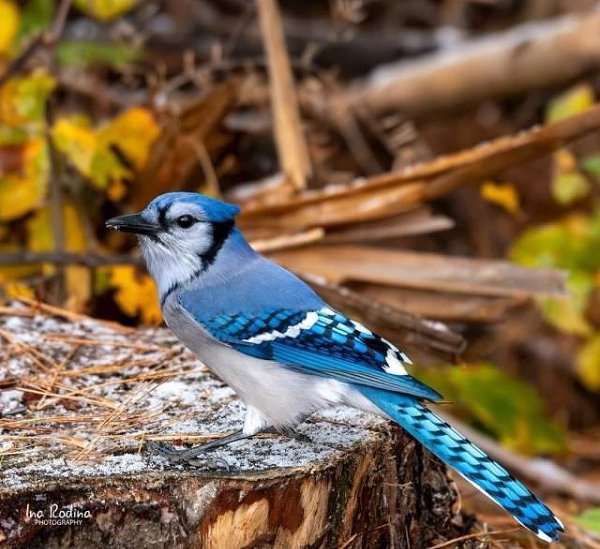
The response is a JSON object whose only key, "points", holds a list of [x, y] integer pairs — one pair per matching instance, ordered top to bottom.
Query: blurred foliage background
{"points": [[386, 151]]}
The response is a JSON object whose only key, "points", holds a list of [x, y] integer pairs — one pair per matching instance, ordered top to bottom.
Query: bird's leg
{"points": [[169, 451], [187, 455]]}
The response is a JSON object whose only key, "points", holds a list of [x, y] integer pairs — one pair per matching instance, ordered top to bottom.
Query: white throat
{"points": [[169, 267]]}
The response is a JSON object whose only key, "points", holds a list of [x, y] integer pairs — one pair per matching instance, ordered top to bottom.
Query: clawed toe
{"points": [[292, 434], [301, 437], [162, 448], [173, 454], [186, 456]]}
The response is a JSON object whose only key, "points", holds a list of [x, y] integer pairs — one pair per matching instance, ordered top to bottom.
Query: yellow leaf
{"points": [[105, 10], [10, 17], [23, 100], [574, 101], [133, 132], [77, 142], [92, 151], [564, 160], [568, 183], [569, 187], [116, 191], [21, 193], [501, 194], [39, 230], [78, 280], [78, 283], [15, 290], [136, 294], [563, 313], [588, 363]]}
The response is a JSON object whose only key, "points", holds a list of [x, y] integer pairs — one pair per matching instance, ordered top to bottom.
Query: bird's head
{"points": [[180, 234]]}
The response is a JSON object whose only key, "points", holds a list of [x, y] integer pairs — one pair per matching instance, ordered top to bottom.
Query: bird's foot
{"points": [[290, 432], [178, 456], [189, 456]]}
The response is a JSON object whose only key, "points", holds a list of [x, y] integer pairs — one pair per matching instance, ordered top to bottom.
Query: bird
{"points": [[285, 352]]}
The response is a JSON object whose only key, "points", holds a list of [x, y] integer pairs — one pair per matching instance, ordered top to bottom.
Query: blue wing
{"points": [[321, 342]]}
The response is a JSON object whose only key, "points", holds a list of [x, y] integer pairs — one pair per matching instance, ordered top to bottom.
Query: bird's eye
{"points": [[185, 221]]}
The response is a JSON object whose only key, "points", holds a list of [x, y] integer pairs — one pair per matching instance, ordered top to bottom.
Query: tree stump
{"points": [[78, 400]]}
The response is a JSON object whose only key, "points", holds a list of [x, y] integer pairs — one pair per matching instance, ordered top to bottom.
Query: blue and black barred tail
{"points": [[468, 460]]}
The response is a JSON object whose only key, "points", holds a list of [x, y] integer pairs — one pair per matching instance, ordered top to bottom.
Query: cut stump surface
{"points": [[78, 400]]}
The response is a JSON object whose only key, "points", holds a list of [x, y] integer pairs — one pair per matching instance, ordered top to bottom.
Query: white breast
{"points": [[280, 395]]}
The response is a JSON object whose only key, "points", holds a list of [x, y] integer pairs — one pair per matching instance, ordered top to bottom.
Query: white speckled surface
{"points": [[43, 439]]}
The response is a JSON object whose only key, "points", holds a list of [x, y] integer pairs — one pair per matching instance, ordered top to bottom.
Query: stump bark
{"points": [[73, 471]]}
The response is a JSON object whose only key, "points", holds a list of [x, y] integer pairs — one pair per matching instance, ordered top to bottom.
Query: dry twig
{"points": [[293, 153]]}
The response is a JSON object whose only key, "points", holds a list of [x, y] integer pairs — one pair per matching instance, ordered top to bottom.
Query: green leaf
{"points": [[36, 17], [93, 53], [33, 94], [23, 101], [574, 101], [10, 135], [591, 165], [107, 167], [569, 187], [572, 244], [540, 246], [568, 313], [563, 314], [588, 363], [508, 408], [590, 520]]}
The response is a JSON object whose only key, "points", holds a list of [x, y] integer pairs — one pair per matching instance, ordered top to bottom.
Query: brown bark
{"points": [[532, 56], [423, 271], [378, 494]]}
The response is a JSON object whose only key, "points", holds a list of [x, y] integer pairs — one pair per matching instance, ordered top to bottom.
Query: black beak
{"points": [[132, 224]]}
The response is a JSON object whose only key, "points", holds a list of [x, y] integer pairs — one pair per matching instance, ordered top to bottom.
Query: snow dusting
{"points": [[79, 398]]}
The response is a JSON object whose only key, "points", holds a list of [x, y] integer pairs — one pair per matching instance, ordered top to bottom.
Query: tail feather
{"points": [[468, 460]]}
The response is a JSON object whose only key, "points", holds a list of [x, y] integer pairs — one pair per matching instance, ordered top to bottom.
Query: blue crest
{"points": [[215, 210]]}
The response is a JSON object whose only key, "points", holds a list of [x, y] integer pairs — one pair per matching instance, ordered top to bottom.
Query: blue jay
{"points": [[287, 354]]}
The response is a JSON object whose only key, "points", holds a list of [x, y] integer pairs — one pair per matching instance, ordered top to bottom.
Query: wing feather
{"points": [[320, 342]]}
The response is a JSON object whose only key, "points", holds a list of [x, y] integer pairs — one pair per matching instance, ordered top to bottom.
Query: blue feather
{"points": [[216, 210], [261, 286], [258, 308], [333, 346], [468, 460]]}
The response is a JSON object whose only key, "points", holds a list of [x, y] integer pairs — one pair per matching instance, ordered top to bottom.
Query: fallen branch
{"points": [[527, 57], [387, 194], [67, 258], [424, 271], [443, 306]]}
